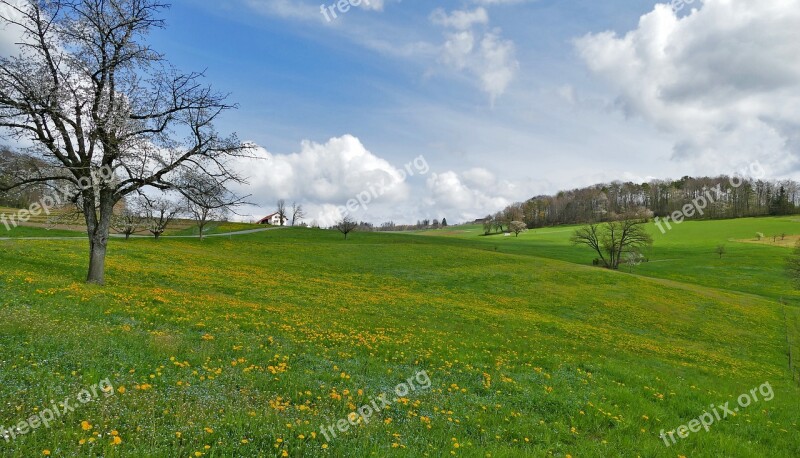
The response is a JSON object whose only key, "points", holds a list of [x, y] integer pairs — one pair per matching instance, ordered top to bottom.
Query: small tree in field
{"points": [[206, 199], [297, 213], [158, 214], [127, 222], [346, 225], [488, 225], [517, 227], [613, 239], [721, 250]]}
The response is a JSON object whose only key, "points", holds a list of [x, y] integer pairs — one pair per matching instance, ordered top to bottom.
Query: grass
{"points": [[214, 228], [686, 253], [246, 346]]}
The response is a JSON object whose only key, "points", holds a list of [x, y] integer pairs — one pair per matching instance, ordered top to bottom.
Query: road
{"points": [[121, 236]]}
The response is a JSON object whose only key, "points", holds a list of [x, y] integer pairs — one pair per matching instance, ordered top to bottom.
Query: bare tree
{"points": [[91, 95], [207, 199], [282, 211], [297, 213], [158, 214], [127, 222], [346, 225], [517, 227], [613, 239], [720, 250]]}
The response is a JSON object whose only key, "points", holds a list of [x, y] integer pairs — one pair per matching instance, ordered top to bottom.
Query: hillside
{"points": [[246, 346]]}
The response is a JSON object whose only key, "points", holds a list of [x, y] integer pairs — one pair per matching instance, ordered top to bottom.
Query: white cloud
{"points": [[501, 2], [375, 5], [305, 11], [460, 20], [10, 34], [483, 53], [724, 80], [331, 172], [325, 176], [472, 194]]}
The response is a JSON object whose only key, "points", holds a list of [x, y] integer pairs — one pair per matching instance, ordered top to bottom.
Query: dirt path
{"points": [[120, 236]]}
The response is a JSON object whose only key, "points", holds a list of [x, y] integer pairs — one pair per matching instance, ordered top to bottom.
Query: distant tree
{"points": [[207, 199], [781, 205], [282, 211], [514, 212], [297, 213], [158, 214], [499, 221], [127, 222], [444, 222], [426, 223], [435, 224], [346, 225], [488, 225], [517, 227], [759, 236], [783, 236], [612, 239], [721, 250], [633, 259]]}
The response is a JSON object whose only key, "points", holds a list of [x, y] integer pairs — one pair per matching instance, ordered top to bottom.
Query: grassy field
{"points": [[51, 226], [686, 253], [246, 346]]}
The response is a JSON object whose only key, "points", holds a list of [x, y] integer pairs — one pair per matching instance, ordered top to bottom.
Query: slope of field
{"points": [[686, 253], [247, 346]]}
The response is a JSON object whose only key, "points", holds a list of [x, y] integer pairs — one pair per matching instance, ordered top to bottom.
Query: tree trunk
{"points": [[99, 229], [97, 260]]}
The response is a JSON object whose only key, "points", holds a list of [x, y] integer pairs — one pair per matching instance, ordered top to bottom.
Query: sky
{"points": [[455, 109]]}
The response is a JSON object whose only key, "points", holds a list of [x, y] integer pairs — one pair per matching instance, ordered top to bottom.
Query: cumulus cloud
{"points": [[482, 53], [724, 79], [331, 172], [325, 176], [471, 194]]}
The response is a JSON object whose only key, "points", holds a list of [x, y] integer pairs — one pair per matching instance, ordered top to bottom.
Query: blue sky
{"points": [[504, 99]]}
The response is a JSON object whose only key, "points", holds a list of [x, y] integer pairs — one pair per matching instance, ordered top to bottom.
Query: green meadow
{"points": [[250, 345]]}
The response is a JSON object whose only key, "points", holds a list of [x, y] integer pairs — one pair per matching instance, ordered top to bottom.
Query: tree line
{"points": [[731, 198]]}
